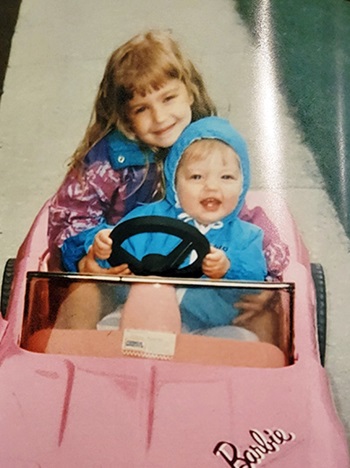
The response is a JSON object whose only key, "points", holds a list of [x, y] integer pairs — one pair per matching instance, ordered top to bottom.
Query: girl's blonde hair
{"points": [[141, 65]]}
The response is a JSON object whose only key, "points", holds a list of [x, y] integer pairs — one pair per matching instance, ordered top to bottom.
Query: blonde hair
{"points": [[141, 65], [202, 149]]}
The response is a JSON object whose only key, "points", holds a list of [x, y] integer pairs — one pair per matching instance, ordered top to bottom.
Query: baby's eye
{"points": [[195, 177], [228, 177]]}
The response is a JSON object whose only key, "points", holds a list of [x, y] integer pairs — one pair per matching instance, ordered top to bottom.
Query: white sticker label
{"points": [[147, 343]]}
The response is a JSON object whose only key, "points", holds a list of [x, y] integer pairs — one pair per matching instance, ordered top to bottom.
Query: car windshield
{"points": [[184, 320]]}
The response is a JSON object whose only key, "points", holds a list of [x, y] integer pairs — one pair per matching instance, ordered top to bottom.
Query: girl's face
{"points": [[159, 117], [209, 188]]}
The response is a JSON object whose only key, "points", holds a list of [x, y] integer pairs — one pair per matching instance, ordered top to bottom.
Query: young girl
{"points": [[149, 93]]}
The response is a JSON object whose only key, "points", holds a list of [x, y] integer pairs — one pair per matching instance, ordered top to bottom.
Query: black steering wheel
{"points": [[158, 264]]}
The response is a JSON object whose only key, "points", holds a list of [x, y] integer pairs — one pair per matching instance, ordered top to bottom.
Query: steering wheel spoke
{"points": [[180, 253]]}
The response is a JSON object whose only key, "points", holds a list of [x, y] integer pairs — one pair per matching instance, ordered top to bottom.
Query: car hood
{"points": [[62, 411]]}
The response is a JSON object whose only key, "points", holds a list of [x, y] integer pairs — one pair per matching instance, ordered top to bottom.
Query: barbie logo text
{"points": [[266, 442]]}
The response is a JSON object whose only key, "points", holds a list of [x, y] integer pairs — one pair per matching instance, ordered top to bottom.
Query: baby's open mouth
{"points": [[210, 204]]}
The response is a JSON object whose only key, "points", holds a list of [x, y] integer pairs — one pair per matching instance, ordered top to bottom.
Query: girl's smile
{"points": [[159, 117], [164, 132]]}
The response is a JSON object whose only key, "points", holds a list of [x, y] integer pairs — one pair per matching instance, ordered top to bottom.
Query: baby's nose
{"points": [[211, 183]]}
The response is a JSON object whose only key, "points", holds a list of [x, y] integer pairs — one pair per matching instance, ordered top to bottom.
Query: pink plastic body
{"points": [[161, 298], [87, 411]]}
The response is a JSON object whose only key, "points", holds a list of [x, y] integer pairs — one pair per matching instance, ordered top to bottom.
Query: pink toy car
{"points": [[122, 386]]}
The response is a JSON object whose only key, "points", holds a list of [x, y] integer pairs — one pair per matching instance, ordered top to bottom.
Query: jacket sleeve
{"points": [[84, 200], [81, 202], [74, 248], [275, 250], [247, 258]]}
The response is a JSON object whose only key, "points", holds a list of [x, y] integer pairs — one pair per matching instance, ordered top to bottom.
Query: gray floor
{"points": [[58, 55]]}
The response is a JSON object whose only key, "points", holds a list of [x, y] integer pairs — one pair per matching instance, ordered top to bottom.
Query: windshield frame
{"points": [[286, 343]]}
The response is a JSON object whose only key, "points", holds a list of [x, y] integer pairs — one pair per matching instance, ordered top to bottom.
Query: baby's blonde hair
{"points": [[141, 65], [202, 149]]}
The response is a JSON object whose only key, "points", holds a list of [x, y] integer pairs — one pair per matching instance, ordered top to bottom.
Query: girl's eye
{"points": [[169, 98], [139, 110], [195, 177], [228, 177]]}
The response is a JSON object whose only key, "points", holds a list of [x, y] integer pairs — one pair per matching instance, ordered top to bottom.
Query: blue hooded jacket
{"points": [[240, 240]]}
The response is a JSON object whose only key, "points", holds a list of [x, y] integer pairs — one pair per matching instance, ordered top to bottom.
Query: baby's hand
{"points": [[102, 246], [215, 263], [88, 264]]}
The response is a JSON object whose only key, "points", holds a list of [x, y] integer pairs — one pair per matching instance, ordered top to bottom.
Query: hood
{"points": [[207, 128], [92, 412]]}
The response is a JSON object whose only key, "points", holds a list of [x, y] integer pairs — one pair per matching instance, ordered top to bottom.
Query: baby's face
{"points": [[209, 187]]}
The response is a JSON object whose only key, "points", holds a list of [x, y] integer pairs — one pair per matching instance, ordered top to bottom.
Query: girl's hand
{"points": [[102, 246], [215, 263], [88, 264], [250, 305], [258, 314]]}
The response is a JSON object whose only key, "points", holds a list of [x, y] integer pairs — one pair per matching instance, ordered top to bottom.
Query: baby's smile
{"points": [[210, 204]]}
